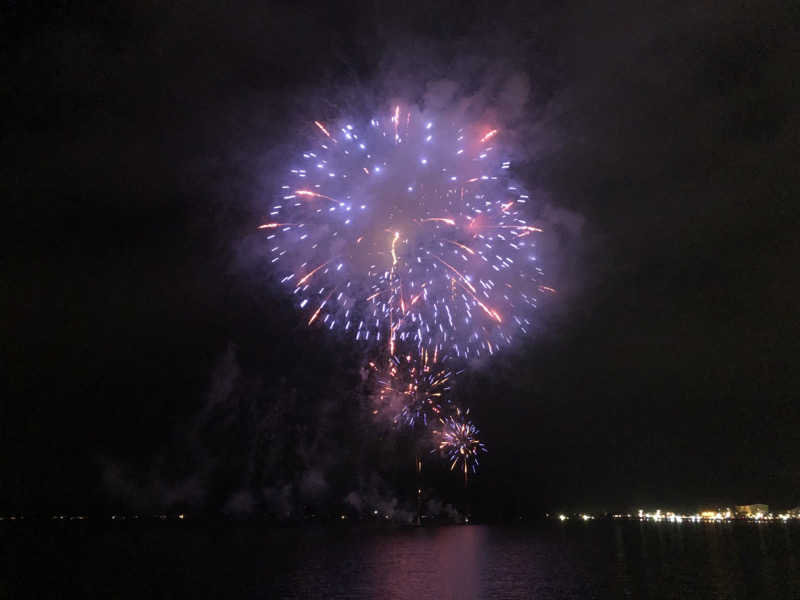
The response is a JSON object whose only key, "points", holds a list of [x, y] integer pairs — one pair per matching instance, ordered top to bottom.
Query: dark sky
{"points": [[147, 359]]}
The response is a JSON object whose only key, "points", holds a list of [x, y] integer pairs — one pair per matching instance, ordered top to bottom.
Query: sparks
{"points": [[323, 130], [489, 135], [310, 194], [441, 220], [457, 275], [308, 276], [411, 390], [458, 439]]}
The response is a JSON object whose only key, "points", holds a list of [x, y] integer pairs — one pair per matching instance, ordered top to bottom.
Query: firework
{"points": [[408, 231], [411, 390], [458, 438]]}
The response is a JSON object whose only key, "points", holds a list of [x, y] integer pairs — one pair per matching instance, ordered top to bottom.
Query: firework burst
{"points": [[408, 231], [411, 390], [458, 439]]}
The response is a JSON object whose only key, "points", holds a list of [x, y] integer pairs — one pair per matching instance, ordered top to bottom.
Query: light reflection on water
{"points": [[573, 560], [598, 560]]}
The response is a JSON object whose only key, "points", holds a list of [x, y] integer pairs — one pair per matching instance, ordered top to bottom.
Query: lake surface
{"points": [[599, 559]]}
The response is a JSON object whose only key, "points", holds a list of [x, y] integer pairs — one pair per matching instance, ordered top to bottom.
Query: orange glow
{"points": [[396, 121], [323, 130], [489, 135], [310, 194], [442, 219], [527, 228], [394, 241], [462, 246], [454, 270], [306, 277], [546, 288], [489, 311], [316, 312], [492, 313], [315, 315], [391, 338]]}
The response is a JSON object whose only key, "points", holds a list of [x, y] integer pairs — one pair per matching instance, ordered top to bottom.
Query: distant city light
{"points": [[753, 512]]}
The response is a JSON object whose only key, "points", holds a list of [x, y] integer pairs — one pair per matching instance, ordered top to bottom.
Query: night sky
{"points": [[150, 362]]}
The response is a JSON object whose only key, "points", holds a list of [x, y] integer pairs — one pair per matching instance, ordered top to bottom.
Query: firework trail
{"points": [[408, 231], [458, 439]]}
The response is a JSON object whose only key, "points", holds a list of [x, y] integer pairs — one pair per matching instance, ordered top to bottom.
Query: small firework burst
{"points": [[413, 390], [458, 439]]}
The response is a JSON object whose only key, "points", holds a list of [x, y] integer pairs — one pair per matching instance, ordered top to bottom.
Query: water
{"points": [[547, 561]]}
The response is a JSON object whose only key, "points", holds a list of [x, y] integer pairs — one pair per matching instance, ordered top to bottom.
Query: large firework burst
{"points": [[405, 230]]}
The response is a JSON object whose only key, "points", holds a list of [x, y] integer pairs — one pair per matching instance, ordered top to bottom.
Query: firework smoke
{"points": [[409, 234]]}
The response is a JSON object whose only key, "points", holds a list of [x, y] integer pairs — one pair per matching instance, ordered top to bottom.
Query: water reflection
{"points": [[600, 559], [597, 560], [444, 562]]}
